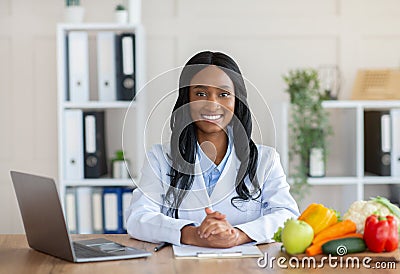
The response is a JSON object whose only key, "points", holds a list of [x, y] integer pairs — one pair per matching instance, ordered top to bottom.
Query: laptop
{"points": [[46, 229]]}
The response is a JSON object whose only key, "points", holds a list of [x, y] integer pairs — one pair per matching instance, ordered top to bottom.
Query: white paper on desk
{"points": [[189, 251]]}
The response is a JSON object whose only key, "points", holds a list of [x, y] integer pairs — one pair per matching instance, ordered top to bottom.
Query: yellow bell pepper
{"points": [[318, 217]]}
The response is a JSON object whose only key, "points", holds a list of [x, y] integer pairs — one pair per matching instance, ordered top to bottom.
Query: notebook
{"points": [[45, 226]]}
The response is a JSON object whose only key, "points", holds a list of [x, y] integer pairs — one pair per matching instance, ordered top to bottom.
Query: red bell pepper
{"points": [[380, 233]]}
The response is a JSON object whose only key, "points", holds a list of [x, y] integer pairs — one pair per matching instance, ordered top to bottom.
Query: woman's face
{"points": [[212, 100]]}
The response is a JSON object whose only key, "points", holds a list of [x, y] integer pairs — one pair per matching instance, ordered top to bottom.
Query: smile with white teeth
{"points": [[211, 117]]}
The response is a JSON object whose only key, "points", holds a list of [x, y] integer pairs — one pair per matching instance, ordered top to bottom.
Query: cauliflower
{"points": [[360, 210]]}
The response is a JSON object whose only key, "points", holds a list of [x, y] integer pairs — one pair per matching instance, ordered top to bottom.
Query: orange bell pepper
{"points": [[318, 217]]}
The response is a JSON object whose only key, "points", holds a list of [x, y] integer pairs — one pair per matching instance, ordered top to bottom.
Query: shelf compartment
{"points": [[97, 27], [362, 104], [99, 105], [342, 145], [345, 165], [381, 180], [330, 181], [333, 181], [100, 182]]}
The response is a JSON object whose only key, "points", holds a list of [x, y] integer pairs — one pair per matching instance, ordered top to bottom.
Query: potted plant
{"points": [[73, 12], [121, 14], [309, 127]]}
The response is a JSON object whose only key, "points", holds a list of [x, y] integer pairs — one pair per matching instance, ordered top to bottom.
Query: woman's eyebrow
{"points": [[200, 87], [224, 87]]}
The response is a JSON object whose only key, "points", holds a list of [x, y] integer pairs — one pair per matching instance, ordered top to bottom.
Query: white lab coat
{"points": [[258, 219]]}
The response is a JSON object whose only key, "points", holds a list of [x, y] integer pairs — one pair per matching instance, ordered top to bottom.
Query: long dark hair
{"points": [[184, 138]]}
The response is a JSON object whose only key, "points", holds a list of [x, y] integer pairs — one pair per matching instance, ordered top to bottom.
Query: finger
{"points": [[214, 214], [209, 220], [205, 223], [201, 228], [215, 228], [207, 229], [221, 231], [221, 234], [235, 234], [228, 235], [221, 240], [214, 242]]}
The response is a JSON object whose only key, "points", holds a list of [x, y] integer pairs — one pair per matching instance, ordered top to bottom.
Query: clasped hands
{"points": [[214, 231]]}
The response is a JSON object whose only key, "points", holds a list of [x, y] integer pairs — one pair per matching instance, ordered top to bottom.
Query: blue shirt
{"points": [[212, 172]]}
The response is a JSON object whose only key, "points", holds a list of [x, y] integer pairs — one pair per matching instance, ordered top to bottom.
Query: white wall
{"points": [[266, 37], [28, 95]]}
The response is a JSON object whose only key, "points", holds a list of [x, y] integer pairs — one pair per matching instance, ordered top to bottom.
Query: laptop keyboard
{"points": [[82, 251]]}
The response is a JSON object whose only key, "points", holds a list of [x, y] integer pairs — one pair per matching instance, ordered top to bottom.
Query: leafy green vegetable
{"points": [[383, 201], [392, 208], [337, 213], [278, 235]]}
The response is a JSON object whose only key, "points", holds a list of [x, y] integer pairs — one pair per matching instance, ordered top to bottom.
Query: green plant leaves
{"points": [[309, 123]]}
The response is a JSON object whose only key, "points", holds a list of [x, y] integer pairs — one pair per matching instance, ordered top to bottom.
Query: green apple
{"points": [[296, 236]]}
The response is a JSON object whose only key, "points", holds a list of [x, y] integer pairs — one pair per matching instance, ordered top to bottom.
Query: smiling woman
{"points": [[212, 103], [211, 185]]}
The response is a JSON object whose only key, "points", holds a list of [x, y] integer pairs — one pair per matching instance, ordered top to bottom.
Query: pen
{"points": [[161, 246]]}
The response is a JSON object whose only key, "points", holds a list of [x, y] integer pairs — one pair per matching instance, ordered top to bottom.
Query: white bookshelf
{"points": [[98, 105], [115, 111], [352, 113], [333, 181], [98, 182]]}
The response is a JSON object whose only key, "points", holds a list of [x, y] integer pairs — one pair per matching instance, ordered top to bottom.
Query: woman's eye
{"points": [[201, 94], [224, 94]]}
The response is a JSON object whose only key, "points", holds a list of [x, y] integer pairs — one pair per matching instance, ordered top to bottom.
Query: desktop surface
{"points": [[17, 257]]}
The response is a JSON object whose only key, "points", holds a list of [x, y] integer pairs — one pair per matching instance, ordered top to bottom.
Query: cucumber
{"points": [[344, 246]]}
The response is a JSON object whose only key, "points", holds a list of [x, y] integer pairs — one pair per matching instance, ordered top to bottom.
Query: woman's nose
{"points": [[212, 103]]}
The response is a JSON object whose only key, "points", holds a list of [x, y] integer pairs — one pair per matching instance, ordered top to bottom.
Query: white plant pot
{"points": [[74, 14], [121, 16]]}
